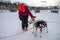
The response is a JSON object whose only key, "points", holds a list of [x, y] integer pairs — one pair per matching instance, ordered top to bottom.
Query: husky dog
{"points": [[38, 24]]}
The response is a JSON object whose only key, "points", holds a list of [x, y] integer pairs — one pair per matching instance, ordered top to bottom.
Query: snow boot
{"points": [[25, 29]]}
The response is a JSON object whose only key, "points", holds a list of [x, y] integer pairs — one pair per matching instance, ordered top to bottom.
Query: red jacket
{"points": [[27, 12]]}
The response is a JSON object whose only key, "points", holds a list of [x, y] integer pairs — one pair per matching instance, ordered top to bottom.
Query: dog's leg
{"points": [[33, 28], [44, 28], [47, 29], [41, 32], [35, 33]]}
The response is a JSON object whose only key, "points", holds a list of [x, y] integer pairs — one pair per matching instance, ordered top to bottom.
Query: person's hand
{"points": [[34, 16]]}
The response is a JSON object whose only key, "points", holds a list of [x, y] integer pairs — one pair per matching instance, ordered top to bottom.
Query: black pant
{"points": [[24, 21]]}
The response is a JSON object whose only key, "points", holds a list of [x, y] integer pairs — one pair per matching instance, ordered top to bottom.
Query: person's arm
{"points": [[31, 14], [19, 15]]}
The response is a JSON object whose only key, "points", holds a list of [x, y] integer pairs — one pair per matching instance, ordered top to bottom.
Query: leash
{"points": [[24, 31], [15, 34]]}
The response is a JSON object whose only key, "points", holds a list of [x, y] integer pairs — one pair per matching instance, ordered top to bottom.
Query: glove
{"points": [[34, 16]]}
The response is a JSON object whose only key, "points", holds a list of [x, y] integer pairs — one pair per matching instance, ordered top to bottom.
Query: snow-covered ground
{"points": [[10, 26]]}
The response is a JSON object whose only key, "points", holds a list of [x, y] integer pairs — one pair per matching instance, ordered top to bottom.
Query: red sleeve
{"points": [[29, 12]]}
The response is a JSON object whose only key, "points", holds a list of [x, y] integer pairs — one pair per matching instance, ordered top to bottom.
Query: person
{"points": [[23, 16]]}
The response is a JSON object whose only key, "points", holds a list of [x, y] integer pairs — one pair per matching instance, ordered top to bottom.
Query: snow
{"points": [[11, 25]]}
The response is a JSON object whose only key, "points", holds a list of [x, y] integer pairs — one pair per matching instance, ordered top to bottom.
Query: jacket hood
{"points": [[22, 7]]}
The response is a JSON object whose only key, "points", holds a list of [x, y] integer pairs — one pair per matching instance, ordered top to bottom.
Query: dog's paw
{"points": [[47, 31], [35, 35], [40, 36]]}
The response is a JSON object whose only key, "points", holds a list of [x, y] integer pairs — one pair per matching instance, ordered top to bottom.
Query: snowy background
{"points": [[36, 2], [10, 26]]}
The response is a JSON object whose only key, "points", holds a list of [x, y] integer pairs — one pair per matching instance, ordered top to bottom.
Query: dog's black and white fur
{"points": [[39, 24]]}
